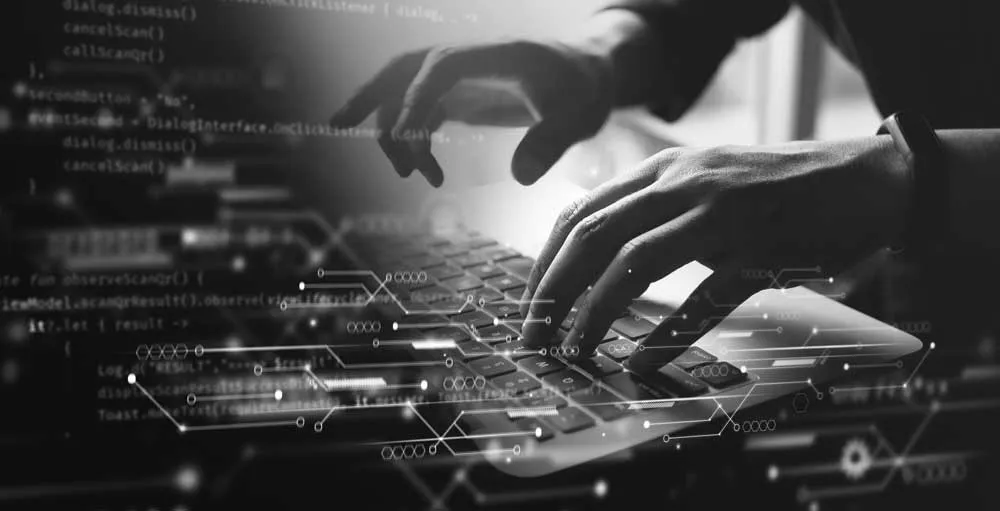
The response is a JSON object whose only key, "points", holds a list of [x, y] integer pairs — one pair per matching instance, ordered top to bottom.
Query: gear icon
{"points": [[856, 459]]}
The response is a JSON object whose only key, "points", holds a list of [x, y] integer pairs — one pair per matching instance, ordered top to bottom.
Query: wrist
{"points": [[897, 177]]}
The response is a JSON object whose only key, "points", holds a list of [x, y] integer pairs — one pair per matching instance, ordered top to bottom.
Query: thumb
{"points": [[545, 143]]}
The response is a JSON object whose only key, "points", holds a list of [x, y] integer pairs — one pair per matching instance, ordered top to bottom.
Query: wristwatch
{"points": [[927, 225]]}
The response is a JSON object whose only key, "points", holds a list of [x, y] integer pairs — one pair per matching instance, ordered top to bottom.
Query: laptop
{"points": [[452, 292]]}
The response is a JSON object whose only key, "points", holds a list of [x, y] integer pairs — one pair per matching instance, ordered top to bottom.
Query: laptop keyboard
{"points": [[473, 285]]}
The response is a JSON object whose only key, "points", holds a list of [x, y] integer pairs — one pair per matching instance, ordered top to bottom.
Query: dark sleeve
{"points": [[697, 35]]}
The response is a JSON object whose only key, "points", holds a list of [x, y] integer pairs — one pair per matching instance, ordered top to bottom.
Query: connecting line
{"points": [[814, 347], [315, 378], [133, 381], [903, 385], [236, 397], [327, 416], [729, 417], [247, 425], [433, 431]]}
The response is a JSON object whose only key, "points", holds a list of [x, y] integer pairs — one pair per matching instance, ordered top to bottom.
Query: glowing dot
{"points": [[20, 89], [64, 198], [316, 257], [239, 263], [630, 270], [830, 280], [302, 286], [765, 315], [496, 321], [312, 322], [395, 326], [815, 330], [673, 333], [933, 345], [847, 366], [308, 367], [743, 369], [131, 378], [809, 381], [423, 384], [904, 385], [277, 395], [645, 425], [182, 428], [538, 432], [508, 459], [898, 461], [772, 473], [460, 475], [187, 479], [600, 488]]}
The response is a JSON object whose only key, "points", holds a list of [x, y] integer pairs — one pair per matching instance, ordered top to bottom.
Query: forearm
{"points": [[629, 47], [973, 159]]}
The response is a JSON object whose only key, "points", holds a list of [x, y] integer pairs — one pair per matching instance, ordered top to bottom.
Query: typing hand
{"points": [[562, 89], [800, 204]]}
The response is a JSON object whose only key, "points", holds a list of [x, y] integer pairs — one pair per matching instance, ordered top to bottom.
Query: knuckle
{"points": [[569, 216], [588, 230], [633, 254]]}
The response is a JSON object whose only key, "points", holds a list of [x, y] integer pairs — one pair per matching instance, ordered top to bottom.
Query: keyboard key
{"points": [[480, 242], [452, 250], [500, 253], [470, 259], [424, 261], [520, 266], [445, 271], [486, 271], [505, 282], [463, 284], [432, 294], [485, 294], [515, 294], [502, 310], [475, 319], [433, 320], [632, 327], [496, 334], [458, 335], [516, 348], [472, 349], [618, 349], [692, 358], [541, 366], [599, 366], [492, 367], [719, 374], [568, 381], [682, 382], [516, 383], [630, 386], [543, 398], [602, 403], [570, 419], [542, 431]]}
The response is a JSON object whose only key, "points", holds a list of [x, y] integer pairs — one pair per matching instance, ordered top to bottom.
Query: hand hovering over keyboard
{"points": [[562, 88], [800, 204]]}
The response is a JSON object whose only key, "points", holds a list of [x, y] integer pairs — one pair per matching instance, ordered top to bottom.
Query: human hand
{"points": [[566, 90], [802, 204]]}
